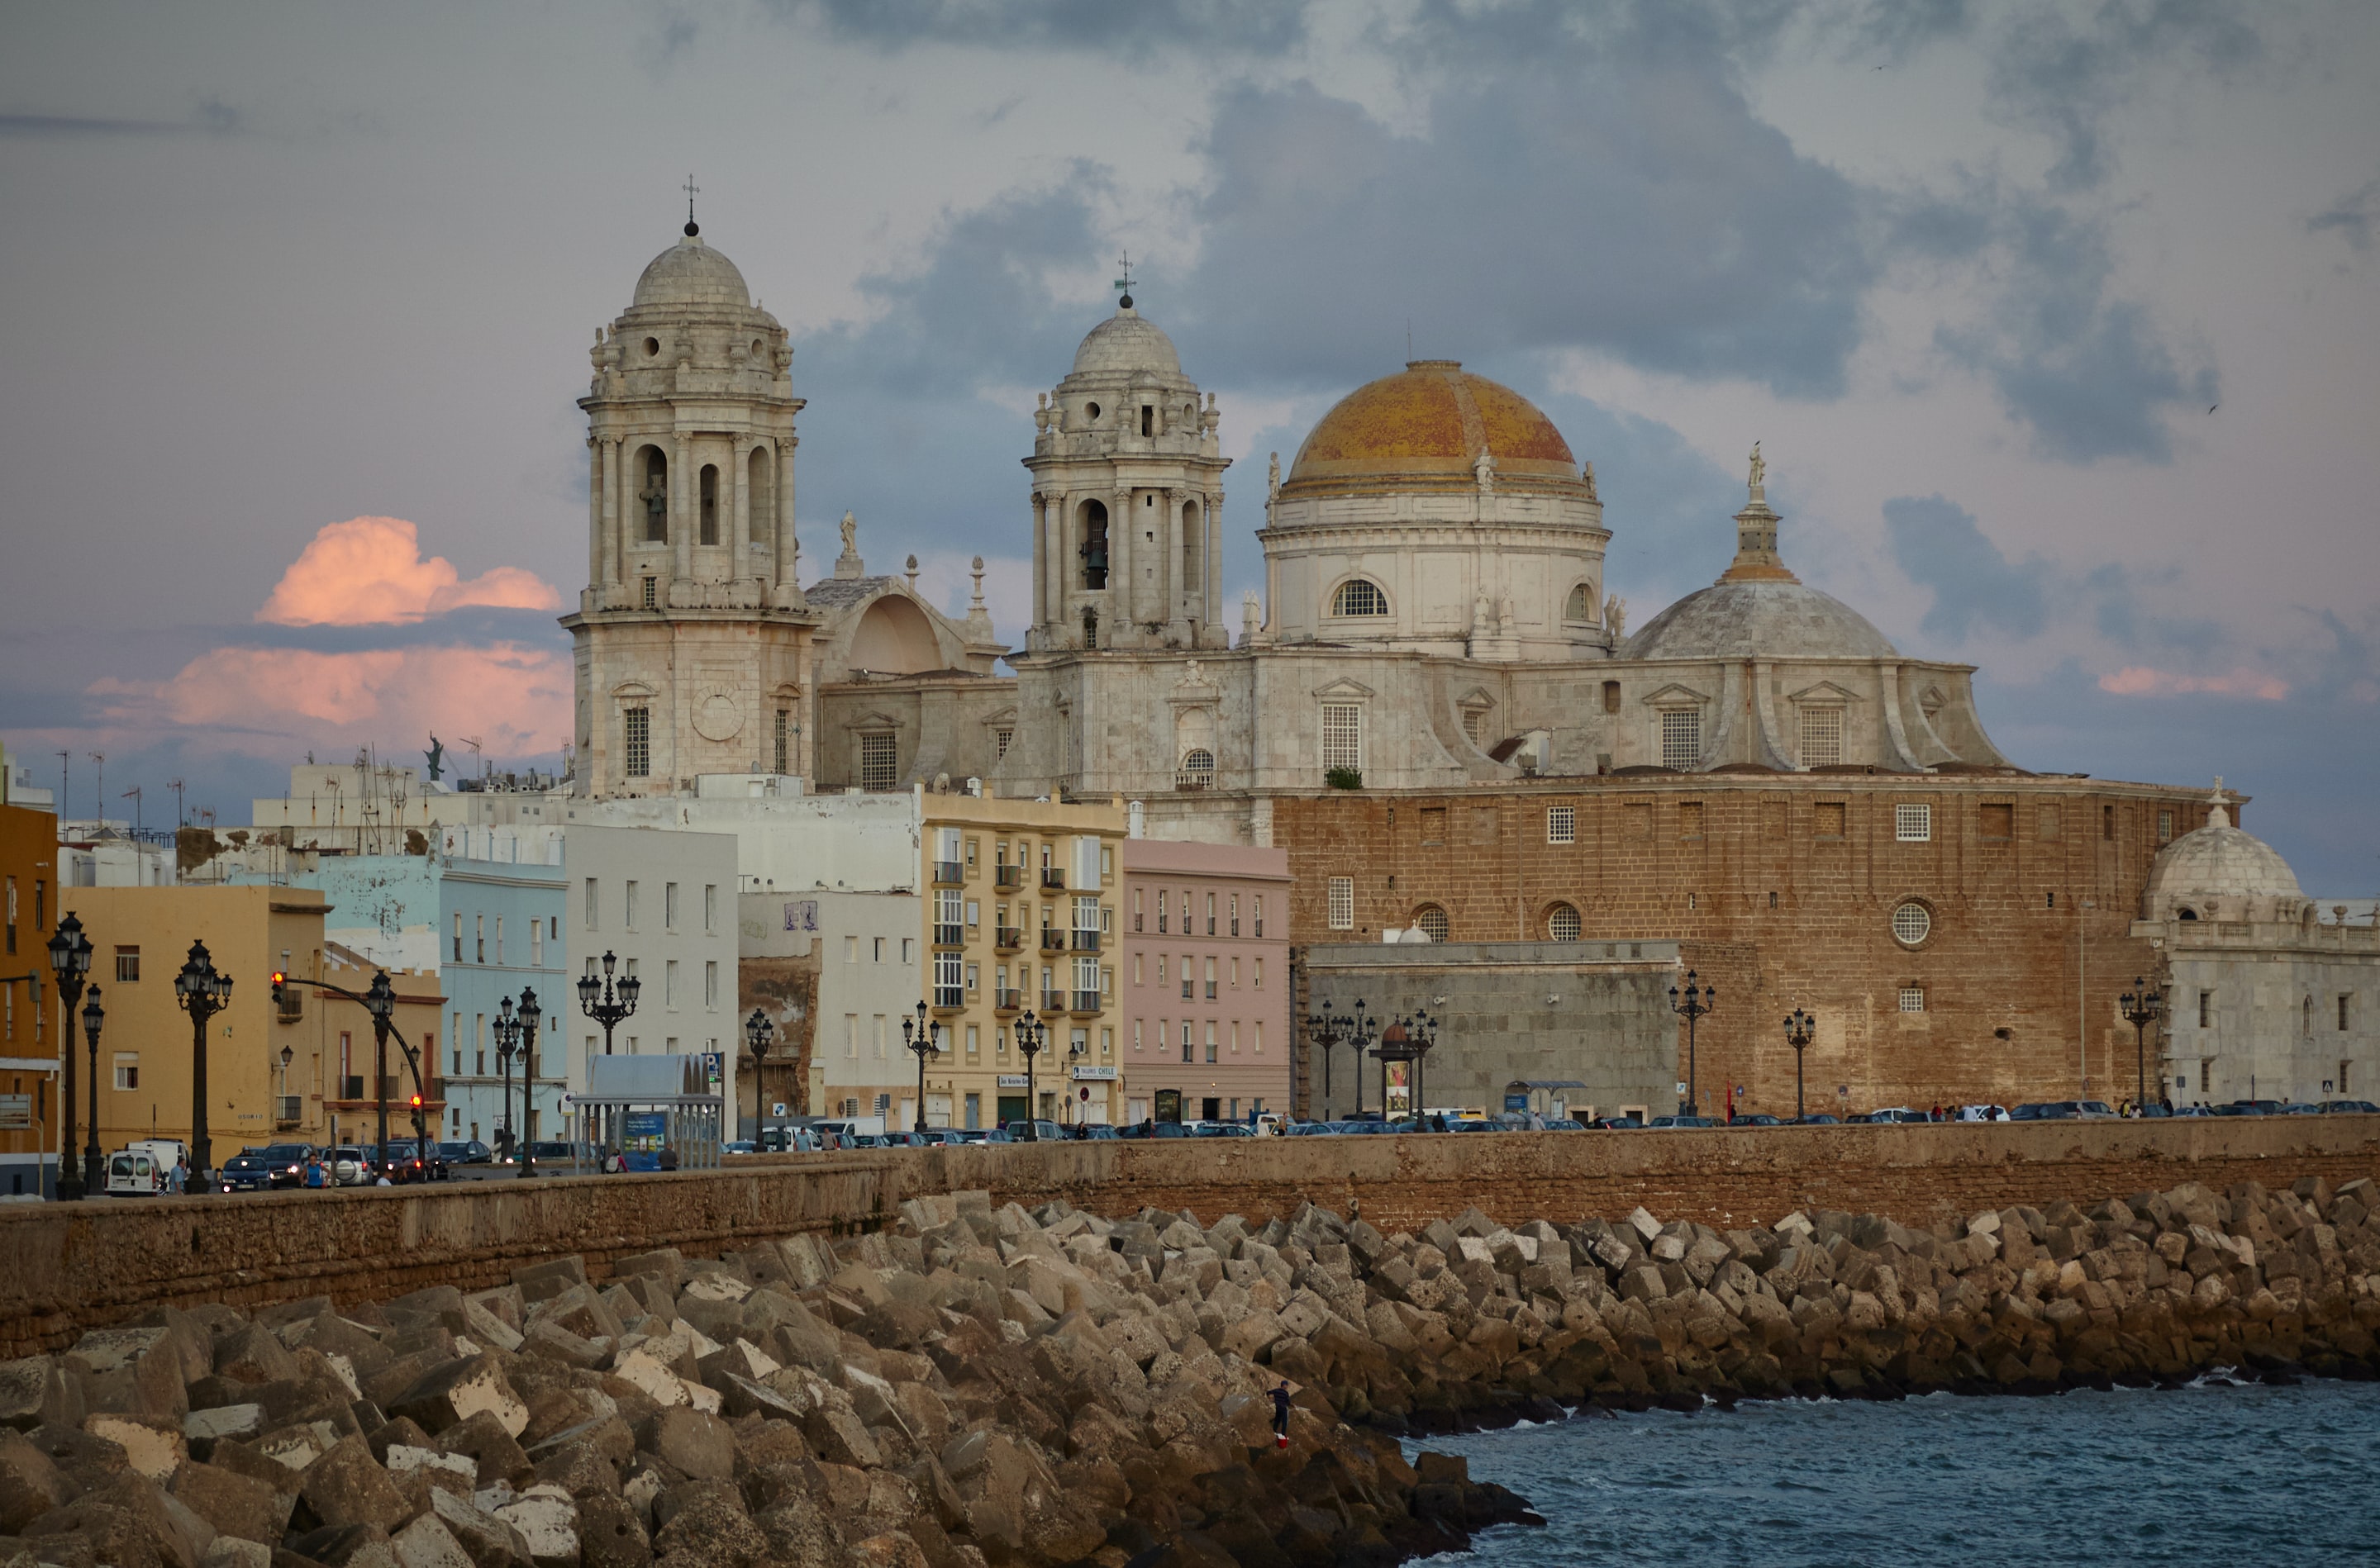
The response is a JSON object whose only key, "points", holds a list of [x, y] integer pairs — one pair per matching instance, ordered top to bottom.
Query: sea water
{"points": [[2213, 1473]]}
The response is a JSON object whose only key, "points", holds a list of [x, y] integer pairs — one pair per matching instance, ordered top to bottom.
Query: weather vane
{"points": [[690, 189], [1123, 283]]}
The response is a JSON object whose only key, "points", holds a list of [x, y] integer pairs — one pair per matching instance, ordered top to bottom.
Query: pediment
{"points": [[630, 690], [1345, 690], [1825, 694], [1673, 695], [1478, 696], [1005, 718], [873, 720]]}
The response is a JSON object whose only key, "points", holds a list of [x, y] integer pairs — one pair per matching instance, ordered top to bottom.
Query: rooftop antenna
{"points": [[692, 228], [1123, 283], [99, 760], [478, 767], [65, 776], [176, 785], [133, 795]]}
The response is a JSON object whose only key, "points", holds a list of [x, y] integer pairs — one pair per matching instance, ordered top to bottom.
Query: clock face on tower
{"points": [[718, 717]]}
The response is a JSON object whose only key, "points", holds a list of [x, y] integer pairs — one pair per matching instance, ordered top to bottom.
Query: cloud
{"points": [[1251, 26], [212, 117], [2352, 219], [1938, 545], [369, 570], [2138, 681]]}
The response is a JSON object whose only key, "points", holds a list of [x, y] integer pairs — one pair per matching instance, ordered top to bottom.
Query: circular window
{"points": [[652, 346], [759, 348], [1090, 410], [1432, 920], [1911, 923], [1562, 924]]}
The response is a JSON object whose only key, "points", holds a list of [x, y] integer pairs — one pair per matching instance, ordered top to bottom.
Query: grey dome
{"points": [[691, 272], [1126, 340], [1759, 619], [2217, 871]]}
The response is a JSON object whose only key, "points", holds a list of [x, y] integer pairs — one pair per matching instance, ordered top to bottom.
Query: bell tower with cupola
{"points": [[1127, 484], [692, 637]]}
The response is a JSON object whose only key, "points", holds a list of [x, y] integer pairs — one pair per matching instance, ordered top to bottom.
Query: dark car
{"points": [[2350, 1107], [2250, 1108], [2301, 1108], [2152, 1109], [2044, 1111], [1753, 1118], [1821, 1119], [1617, 1123], [1564, 1124], [1142, 1129], [1036, 1131], [1094, 1131], [548, 1149], [466, 1152], [286, 1163], [248, 1171]]}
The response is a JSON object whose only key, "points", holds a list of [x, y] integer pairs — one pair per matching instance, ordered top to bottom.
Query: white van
{"points": [[135, 1173]]}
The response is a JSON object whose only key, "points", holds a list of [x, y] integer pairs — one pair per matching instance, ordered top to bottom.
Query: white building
{"points": [[663, 904]]}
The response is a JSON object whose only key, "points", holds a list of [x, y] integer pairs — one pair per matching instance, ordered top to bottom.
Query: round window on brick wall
{"points": [[1432, 920], [1911, 923], [1562, 924]]}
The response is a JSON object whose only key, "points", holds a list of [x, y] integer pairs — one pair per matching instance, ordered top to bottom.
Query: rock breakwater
{"points": [[989, 1385]]}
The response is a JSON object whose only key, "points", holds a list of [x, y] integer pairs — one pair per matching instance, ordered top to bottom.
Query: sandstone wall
{"points": [[65, 1268]]}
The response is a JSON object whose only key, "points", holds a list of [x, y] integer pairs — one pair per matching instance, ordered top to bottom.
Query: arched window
{"points": [[761, 487], [653, 493], [1091, 529], [710, 535], [1359, 595], [1580, 605], [1198, 769], [2189, 914], [1432, 920], [1562, 924]]}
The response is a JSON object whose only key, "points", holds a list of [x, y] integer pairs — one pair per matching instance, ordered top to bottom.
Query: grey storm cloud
{"points": [[1254, 26], [211, 118], [2352, 219], [2090, 374], [1938, 545]]}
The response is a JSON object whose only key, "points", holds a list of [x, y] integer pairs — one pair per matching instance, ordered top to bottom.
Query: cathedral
{"points": [[1433, 706]]}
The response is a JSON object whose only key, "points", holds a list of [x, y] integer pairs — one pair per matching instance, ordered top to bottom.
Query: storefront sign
{"points": [[1094, 1075], [1012, 1080]]}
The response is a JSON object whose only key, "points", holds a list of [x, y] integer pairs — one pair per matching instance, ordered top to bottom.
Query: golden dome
{"points": [[1425, 430]]}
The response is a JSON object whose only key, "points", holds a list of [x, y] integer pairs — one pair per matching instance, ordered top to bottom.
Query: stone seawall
{"points": [[67, 1268]]}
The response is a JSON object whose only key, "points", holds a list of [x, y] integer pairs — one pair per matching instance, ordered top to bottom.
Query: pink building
{"points": [[1202, 981]]}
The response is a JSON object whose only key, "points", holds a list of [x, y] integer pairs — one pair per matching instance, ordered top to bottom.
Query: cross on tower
{"points": [[690, 188], [1123, 283]]}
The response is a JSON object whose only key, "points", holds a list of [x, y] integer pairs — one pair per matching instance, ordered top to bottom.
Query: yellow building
{"points": [[1020, 924], [140, 937], [28, 1004]]}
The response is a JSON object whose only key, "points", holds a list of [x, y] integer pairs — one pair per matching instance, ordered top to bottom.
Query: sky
{"points": [[2059, 325]]}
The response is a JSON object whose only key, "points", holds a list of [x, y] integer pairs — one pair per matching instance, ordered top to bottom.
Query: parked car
{"points": [[2350, 1107], [2300, 1108], [2152, 1109], [2064, 1111], [2193, 1111], [1898, 1113], [1753, 1118], [1821, 1119], [1682, 1121], [1617, 1123], [1572, 1124], [1168, 1129], [1241, 1129], [1036, 1131], [1095, 1132], [983, 1135], [739, 1146], [548, 1149], [466, 1152], [348, 1168], [248, 1171], [134, 1172]]}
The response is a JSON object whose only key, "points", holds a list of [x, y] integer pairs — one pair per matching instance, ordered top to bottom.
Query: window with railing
{"points": [[878, 763], [1197, 770], [1008, 939]]}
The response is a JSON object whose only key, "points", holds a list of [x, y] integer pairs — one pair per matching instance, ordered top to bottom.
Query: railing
{"points": [[1194, 778], [949, 874], [1008, 876], [1052, 877], [949, 936], [1008, 939], [1053, 939], [1086, 941], [950, 998], [1007, 1001], [1053, 1001], [1086, 1002], [354, 1087], [291, 1110]]}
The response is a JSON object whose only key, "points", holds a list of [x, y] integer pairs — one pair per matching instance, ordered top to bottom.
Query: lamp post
{"points": [[70, 963], [203, 991], [379, 1001], [605, 1003], [1695, 1003], [2141, 1006], [532, 1019], [1360, 1029], [507, 1030], [759, 1030], [1322, 1030], [1800, 1030], [1031, 1032], [923, 1038], [287, 1055], [94, 1178]]}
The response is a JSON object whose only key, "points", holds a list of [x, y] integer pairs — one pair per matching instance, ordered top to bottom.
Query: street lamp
{"points": [[70, 963], [203, 992], [379, 1001], [605, 1003], [1695, 1003], [2141, 1006], [92, 1016], [532, 1018], [506, 1029], [759, 1029], [1360, 1029], [1322, 1030], [1800, 1030], [1031, 1033], [923, 1038], [287, 1055]]}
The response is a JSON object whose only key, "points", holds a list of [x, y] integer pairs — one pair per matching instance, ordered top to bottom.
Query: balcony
{"points": [[1194, 778], [949, 874], [1007, 876], [1052, 879], [952, 936], [1008, 939], [1053, 939], [1086, 941], [950, 998], [1007, 1001], [1053, 1002], [1088, 1002], [353, 1087], [288, 1110]]}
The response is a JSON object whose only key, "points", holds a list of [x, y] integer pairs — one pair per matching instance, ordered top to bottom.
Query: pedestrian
{"points": [[316, 1177], [180, 1180], [1280, 1415]]}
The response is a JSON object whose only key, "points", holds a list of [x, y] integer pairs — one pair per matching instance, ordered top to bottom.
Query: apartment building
{"points": [[1205, 991]]}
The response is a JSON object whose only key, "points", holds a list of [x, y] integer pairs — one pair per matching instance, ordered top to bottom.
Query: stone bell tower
{"points": [[1127, 483], [692, 637]]}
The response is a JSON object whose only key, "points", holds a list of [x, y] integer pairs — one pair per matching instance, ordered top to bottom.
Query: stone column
{"points": [[1212, 505], [681, 507], [740, 515], [1120, 524], [615, 541], [598, 542], [788, 543], [1040, 560], [1120, 572], [1177, 581]]}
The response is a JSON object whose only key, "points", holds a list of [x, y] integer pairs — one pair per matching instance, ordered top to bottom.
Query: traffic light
{"points": [[280, 979], [417, 1102]]}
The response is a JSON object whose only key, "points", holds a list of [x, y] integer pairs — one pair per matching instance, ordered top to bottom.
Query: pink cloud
{"points": [[369, 570], [2138, 681], [274, 702]]}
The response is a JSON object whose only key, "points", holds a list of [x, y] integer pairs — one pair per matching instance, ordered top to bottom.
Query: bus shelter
{"points": [[656, 1112]]}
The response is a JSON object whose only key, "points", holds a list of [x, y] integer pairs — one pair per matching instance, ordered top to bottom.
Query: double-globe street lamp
{"points": [[70, 965], [203, 991], [606, 1001], [1691, 1005], [2141, 1006], [759, 1030], [1800, 1030], [1355, 1031], [517, 1033], [1031, 1035], [922, 1038]]}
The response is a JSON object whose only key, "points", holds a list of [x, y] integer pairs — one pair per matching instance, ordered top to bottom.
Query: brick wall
{"points": [[1782, 888], [65, 1268]]}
